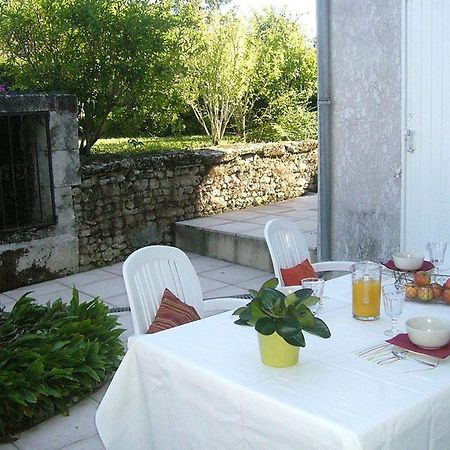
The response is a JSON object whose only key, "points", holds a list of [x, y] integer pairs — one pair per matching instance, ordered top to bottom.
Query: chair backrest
{"points": [[287, 245], [150, 270]]}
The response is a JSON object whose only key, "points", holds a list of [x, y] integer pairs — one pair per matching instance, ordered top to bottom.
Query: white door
{"points": [[426, 153]]}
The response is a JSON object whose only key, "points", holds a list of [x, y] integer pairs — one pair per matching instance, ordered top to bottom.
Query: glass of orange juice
{"points": [[366, 290]]}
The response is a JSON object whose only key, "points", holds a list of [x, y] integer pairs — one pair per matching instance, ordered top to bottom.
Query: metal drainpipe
{"points": [[324, 184]]}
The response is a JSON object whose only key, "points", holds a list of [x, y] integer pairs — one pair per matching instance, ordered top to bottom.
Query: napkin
{"points": [[427, 265], [402, 340]]}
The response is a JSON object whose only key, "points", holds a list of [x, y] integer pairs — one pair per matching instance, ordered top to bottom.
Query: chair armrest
{"points": [[336, 266], [214, 306]]}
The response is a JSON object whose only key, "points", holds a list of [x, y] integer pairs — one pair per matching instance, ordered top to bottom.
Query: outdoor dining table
{"points": [[203, 386]]}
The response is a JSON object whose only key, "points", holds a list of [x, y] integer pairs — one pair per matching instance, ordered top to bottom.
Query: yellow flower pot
{"points": [[276, 352]]}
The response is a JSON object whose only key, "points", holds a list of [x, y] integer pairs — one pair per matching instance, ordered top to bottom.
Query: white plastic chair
{"points": [[287, 247], [147, 272]]}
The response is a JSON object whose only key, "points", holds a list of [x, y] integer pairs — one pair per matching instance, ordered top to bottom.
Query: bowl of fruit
{"points": [[408, 262], [424, 289], [428, 332]]}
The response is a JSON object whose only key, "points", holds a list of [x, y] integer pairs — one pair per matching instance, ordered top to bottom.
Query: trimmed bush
{"points": [[51, 357]]}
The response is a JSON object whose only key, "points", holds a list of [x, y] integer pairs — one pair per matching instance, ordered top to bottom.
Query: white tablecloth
{"points": [[203, 386]]}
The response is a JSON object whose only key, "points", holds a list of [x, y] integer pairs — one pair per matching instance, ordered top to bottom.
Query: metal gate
{"points": [[26, 178]]}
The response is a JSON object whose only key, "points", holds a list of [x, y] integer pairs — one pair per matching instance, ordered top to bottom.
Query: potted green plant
{"points": [[280, 321]]}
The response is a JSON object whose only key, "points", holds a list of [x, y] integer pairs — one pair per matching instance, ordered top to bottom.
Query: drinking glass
{"points": [[436, 251], [317, 285], [393, 298]]}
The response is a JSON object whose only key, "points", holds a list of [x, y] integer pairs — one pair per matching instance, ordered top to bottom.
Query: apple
{"points": [[422, 278], [447, 284], [436, 288], [410, 290], [424, 293], [446, 296]]}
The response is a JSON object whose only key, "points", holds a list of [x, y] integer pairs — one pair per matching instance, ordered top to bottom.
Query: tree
{"points": [[106, 52], [218, 72], [284, 86]]}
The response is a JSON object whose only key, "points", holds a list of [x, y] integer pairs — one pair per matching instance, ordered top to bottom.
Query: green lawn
{"points": [[107, 149]]}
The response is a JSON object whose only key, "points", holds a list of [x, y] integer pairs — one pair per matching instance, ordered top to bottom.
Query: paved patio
{"points": [[218, 278]]}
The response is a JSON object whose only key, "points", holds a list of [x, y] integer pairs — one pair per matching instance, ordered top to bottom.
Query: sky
{"points": [[305, 10]]}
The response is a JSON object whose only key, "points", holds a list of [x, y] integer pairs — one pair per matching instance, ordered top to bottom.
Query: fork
{"points": [[374, 349]]}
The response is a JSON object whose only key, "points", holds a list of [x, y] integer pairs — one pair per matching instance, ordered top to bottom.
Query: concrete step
{"points": [[238, 236]]}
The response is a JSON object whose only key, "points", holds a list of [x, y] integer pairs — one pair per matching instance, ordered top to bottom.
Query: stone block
{"points": [[63, 131], [66, 168], [38, 260]]}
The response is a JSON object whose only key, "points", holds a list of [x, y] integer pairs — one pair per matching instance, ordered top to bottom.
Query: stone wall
{"points": [[129, 203]]}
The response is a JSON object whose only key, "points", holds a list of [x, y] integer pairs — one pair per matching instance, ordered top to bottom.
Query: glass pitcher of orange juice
{"points": [[366, 290]]}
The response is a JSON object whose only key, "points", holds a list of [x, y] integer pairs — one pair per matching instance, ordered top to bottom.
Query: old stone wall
{"points": [[129, 203]]}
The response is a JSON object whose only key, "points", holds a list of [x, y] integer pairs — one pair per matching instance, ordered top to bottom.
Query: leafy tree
{"points": [[106, 52], [218, 72], [284, 86], [160, 109]]}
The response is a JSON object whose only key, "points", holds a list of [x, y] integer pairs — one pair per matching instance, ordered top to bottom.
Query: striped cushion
{"points": [[294, 275], [171, 313]]}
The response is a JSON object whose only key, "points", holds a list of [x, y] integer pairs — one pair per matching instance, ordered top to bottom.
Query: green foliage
{"points": [[106, 52], [166, 67], [218, 72], [284, 86], [286, 120], [271, 311], [52, 356]]}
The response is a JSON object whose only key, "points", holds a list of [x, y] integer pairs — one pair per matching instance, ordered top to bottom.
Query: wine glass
{"points": [[436, 251], [393, 299]]}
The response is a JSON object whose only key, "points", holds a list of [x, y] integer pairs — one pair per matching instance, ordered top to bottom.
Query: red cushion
{"points": [[294, 275], [171, 313]]}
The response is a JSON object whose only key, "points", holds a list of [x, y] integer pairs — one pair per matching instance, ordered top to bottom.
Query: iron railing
{"points": [[26, 177]]}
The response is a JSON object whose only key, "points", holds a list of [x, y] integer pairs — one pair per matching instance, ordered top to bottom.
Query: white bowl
{"points": [[408, 261], [428, 332]]}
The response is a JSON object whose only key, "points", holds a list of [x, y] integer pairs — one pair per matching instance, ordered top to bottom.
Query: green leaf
{"points": [[270, 284], [303, 294], [291, 299], [311, 301], [272, 302], [240, 310], [256, 312], [246, 314], [304, 316], [241, 322], [265, 325], [287, 327], [319, 329], [298, 340], [59, 345], [36, 369], [88, 370], [29, 397]]}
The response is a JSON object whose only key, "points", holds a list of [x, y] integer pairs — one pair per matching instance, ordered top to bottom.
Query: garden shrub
{"points": [[51, 357]]}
